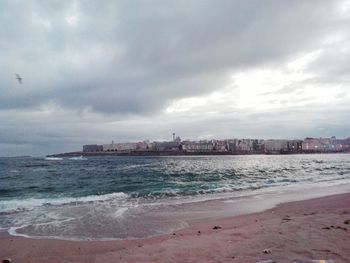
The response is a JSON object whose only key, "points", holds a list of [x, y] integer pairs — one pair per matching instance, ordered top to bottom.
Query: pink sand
{"points": [[304, 230]]}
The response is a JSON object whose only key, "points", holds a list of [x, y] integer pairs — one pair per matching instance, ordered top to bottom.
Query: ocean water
{"points": [[133, 197]]}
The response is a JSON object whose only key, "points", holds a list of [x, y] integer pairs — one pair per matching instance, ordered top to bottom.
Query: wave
{"points": [[53, 158], [80, 158], [36, 165], [182, 193], [17, 205]]}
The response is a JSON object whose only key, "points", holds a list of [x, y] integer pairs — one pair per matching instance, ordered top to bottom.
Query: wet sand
{"points": [[303, 230]]}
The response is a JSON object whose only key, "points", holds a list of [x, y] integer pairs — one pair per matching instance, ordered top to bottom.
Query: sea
{"points": [[120, 197]]}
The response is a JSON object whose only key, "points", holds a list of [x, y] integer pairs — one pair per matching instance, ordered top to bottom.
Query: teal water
{"points": [[85, 197]]}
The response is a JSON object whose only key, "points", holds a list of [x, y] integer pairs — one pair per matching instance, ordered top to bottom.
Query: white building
{"points": [[201, 146], [113, 147]]}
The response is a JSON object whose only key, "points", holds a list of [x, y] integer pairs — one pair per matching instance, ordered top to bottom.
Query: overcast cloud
{"points": [[97, 71]]}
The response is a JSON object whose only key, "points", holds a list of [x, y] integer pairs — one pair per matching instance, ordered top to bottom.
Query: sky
{"points": [[97, 71]]}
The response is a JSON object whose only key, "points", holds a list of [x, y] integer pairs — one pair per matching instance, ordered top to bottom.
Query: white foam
{"points": [[53, 158], [80, 158], [30, 203], [120, 211], [13, 232]]}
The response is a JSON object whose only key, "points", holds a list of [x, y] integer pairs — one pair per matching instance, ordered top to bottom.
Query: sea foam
{"points": [[53, 158], [16, 205]]}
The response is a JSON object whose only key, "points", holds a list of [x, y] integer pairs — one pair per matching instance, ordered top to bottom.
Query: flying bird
{"points": [[18, 77]]}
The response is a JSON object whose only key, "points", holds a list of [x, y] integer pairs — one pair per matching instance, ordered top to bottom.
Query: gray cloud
{"points": [[135, 57], [117, 60]]}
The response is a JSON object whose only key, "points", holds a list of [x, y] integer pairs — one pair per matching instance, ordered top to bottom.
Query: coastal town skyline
{"points": [[334, 144], [225, 146]]}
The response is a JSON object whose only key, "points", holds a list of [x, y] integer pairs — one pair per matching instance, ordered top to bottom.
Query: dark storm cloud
{"points": [[137, 56]]}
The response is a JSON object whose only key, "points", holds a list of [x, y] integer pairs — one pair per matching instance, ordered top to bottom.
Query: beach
{"points": [[174, 131], [303, 230]]}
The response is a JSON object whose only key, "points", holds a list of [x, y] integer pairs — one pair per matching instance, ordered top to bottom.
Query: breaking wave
{"points": [[53, 158], [17, 205]]}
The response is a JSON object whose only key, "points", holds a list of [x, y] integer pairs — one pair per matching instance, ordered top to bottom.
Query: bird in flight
{"points": [[18, 77]]}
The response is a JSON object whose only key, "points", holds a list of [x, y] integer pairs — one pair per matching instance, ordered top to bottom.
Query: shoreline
{"points": [[180, 153], [173, 215], [308, 229]]}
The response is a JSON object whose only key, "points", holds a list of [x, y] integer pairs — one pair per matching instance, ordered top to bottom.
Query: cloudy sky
{"points": [[97, 71]]}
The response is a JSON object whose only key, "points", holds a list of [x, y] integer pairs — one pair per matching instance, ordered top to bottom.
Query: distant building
{"points": [[326, 144], [220, 145], [232, 145], [311, 145], [341, 145], [128, 146], [143, 146], [166, 146], [201, 146], [244, 146], [258, 146], [276, 146], [294, 146], [110, 147], [92, 148]]}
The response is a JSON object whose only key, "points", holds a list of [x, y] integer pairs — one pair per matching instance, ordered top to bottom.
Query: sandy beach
{"points": [[303, 230]]}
